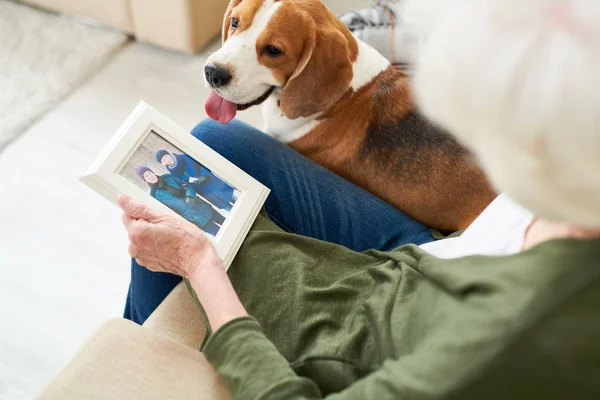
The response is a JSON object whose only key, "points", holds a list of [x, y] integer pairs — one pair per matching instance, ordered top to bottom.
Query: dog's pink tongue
{"points": [[219, 109]]}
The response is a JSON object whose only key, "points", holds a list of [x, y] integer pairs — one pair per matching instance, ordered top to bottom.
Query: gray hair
{"points": [[518, 82]]}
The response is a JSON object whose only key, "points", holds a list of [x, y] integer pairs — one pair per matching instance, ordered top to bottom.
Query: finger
{"points": [[136, 210], [127, 220], [134, 227], [137, 230], [137, 250], [134, 251], [142, 258], [141, 262], [150, 265], [154, 267]]}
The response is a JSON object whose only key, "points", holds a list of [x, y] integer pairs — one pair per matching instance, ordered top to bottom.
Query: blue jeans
{"points": [[305, 199]]}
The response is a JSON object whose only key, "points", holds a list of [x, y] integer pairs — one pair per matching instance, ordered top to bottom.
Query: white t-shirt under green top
{"points": [[498, 231]]}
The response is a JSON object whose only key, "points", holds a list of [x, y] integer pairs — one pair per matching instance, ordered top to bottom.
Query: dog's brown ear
{"points": [[226, 21], [323, 74]]}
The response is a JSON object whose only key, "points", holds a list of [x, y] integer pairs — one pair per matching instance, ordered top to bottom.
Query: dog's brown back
{"points": [[376, 138]]}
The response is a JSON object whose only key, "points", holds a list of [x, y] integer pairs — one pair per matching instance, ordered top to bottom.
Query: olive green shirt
{"points": [[330, 322]]}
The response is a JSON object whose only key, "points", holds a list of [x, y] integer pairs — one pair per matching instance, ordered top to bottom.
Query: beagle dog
{"points": [[340, 103]]}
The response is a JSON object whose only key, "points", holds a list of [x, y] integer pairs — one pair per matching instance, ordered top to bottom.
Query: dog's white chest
{"points": [[282, 128]]}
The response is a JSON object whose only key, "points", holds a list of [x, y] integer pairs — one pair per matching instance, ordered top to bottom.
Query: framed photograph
{"points": [[161, 165]]}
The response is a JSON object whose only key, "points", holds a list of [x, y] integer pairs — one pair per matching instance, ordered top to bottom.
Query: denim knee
{"points": [[208, 129], [212, 133], [237, 141]]}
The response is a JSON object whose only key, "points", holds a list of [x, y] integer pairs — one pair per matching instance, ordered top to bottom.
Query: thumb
{"points": [[135, 209]]}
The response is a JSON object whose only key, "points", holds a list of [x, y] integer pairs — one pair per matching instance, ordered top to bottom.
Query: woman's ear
{"points": [[226, 21], [323, 74]]}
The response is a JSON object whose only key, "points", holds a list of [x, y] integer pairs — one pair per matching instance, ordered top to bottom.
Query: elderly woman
{"points": [[511, 309]]}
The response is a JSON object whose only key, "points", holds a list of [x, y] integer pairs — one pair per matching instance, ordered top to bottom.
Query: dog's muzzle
{"points": [[216, 76]]}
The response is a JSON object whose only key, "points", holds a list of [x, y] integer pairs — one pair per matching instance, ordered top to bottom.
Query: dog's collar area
{"points": [[260, 100]]}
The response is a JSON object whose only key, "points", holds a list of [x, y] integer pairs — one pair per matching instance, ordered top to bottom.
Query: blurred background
{"points": [[70, 72]]}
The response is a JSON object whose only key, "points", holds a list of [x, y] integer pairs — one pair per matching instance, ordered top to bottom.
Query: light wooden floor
{"points": [[63, 253]]}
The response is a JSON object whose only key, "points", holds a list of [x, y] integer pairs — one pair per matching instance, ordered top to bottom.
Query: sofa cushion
{"points": [[179, 318], [122, 360]]}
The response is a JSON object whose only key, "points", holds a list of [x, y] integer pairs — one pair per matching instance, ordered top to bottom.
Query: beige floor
{"points": [[63, 252]]}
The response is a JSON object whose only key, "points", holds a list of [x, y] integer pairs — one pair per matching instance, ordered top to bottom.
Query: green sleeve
{"points": [[555, 358], [252, 366], [254, 369]]}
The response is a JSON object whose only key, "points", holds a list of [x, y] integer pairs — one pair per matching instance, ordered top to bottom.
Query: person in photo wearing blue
{"points": [[206, 184], [171, 192]]}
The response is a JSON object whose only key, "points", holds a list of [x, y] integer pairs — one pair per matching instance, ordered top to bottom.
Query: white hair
{"points": [[518, 82]]}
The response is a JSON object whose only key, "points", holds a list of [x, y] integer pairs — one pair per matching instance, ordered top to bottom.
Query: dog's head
{"points": [[296, 48]]}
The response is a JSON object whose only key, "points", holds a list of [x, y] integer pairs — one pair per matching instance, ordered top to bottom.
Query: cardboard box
{"points": [[113, 13], [184, 25]]}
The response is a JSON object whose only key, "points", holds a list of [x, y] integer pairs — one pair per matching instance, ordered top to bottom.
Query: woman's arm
{"points": [[162, 243], [216, 294], [253, 367]]}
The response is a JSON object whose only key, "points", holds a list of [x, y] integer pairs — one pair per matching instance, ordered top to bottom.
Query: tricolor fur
{"points": [[339, 102]]}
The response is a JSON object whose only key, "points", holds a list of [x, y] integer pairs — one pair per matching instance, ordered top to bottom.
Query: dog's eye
{"points": [[234, 23], [273, 51]]}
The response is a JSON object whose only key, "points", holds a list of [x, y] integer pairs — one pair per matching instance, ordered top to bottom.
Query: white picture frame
{"points": [[105, 175]]}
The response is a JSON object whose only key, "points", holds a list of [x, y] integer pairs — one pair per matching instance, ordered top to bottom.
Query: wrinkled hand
{"points": [[163, 243]]}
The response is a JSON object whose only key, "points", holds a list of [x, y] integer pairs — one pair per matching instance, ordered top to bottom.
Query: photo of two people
{"points": [[181, 183]]}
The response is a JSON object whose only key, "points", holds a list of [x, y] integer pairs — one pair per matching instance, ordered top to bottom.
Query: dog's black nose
{"points": [[216, 76]]}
